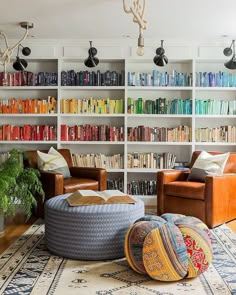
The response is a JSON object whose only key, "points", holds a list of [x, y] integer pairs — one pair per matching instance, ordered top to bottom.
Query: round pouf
{"points": [[94, 232], [170, 247]]}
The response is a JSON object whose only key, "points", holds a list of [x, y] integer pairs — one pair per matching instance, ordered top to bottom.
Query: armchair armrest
{"points": [[99, 174], [166, 176], [52, 183], [220, 198]]}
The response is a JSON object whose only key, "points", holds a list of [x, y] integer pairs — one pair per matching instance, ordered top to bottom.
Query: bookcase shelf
{"points": [[10, 88], [92, 88], [155, 88], [215, 88], [29, 115], [92, 115], [158, 116], [215, 116], [27, 142], [92, 142], [158, 143], [215, 144], [183, 150], [109, 170], [143, 170]]}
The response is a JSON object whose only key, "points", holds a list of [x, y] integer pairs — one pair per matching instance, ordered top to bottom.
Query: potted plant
{"points": [[18, 185]]}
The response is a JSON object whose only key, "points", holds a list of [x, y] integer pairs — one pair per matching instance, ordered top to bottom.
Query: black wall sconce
{"points": [[25, 50], [160, 59], [91, 61], [21, 64], [231, 64]]}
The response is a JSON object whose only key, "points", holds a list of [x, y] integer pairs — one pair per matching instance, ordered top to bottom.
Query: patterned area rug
{"points": [[28, 268]]}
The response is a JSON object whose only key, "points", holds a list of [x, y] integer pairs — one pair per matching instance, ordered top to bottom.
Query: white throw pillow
{"points": [[53, 161], [207, 164]]}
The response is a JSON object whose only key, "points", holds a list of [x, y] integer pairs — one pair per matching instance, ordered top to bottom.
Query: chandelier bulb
{"points": [[140, 51]]}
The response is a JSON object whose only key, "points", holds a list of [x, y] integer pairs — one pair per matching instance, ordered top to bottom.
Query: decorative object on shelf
{"points": [[138, 11], [228, 51], [5, 54], [160, 59], [91, 61], [21, 64], [19, 185]]}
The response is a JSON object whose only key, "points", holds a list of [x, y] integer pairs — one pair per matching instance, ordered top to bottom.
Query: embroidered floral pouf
{"points": [[170, 247]]}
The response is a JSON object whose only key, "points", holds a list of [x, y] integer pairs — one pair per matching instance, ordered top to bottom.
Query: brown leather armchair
{"points": [[54, 184], [214, 202]]}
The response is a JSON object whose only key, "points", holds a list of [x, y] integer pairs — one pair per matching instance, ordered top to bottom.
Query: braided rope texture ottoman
{"points": [[94, 232], [170, 247]]}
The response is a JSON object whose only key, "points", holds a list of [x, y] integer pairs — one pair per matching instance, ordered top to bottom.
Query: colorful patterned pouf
{"points": [[170, 247]]}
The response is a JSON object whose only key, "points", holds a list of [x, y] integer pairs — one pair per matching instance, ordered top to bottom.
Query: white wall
{"points": [[121, 48]]}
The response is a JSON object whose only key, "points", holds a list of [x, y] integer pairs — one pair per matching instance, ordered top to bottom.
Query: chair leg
{"points": [[39, 210]]}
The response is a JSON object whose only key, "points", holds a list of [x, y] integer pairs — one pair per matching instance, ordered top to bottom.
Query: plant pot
{"points": [[2, 223]]}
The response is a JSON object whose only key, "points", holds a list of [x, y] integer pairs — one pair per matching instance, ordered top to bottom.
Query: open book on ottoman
{"points": [[90, 197]]}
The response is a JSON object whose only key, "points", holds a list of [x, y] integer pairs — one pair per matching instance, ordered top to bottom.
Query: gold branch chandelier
{"points": [[137, 8], [6, 53]]}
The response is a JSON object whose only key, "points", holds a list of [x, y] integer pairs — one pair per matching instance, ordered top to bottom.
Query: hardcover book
{"points": [[90, 197]]}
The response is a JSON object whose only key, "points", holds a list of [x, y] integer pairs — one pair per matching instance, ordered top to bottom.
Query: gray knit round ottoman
{"points": [[94, 232]]}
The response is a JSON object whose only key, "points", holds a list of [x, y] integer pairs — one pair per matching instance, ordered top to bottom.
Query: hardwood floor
{"points": [[15, 229]]}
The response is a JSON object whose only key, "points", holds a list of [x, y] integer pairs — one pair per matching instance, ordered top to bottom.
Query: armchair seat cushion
{"points": [[72, 184], [185, 189]]}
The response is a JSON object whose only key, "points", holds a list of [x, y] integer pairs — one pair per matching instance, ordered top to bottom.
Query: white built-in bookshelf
{"points": [[107, 115]]}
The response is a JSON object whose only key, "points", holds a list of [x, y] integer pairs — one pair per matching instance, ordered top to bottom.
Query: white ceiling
{"points": [[92, 19]]}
